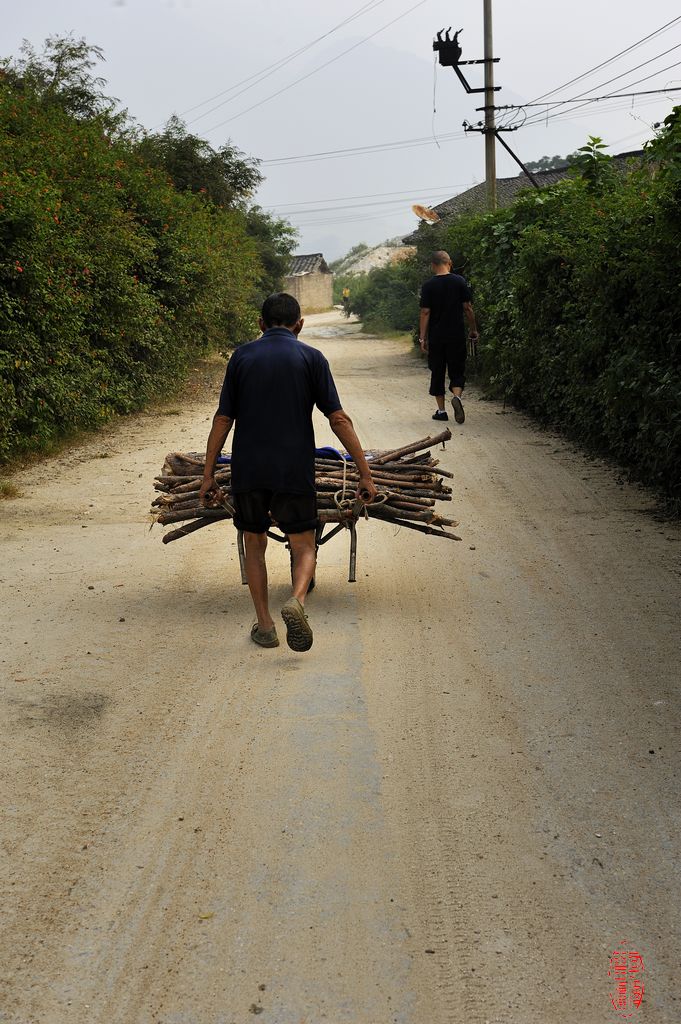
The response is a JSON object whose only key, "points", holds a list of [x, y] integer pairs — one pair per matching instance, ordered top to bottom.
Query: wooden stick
{"points": [[417, 446], [184, 457], [324, 468], [380, 477], [443, 495], [181, 497], [395, 498], [390, 511], [194, 513], [336, 516], [429, 516], [423, 529], [183, 531]]}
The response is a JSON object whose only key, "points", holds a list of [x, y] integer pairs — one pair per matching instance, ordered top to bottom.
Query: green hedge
{"points": [[111, 280], [577, 290], [386, 298]]}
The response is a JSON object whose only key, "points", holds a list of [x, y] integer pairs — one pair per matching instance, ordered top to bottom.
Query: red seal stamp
{"points": [[626, 977]]}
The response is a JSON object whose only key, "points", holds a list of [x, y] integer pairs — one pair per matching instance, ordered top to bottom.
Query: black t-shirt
{"points": [[444, 295], [271, 386]]}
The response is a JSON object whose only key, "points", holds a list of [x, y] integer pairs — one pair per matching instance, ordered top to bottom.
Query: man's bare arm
{"points": [[470, 316], [424, 318], [341, 424], [216, 440]]}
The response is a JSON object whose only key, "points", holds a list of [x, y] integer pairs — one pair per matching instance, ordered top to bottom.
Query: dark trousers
{"points": [[446, 357]]}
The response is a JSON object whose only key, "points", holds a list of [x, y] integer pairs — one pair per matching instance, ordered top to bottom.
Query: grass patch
{"points": [[8, 490]]}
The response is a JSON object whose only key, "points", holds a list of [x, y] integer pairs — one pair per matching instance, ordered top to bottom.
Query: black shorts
{"points": [[446, 357], [257, 511]]}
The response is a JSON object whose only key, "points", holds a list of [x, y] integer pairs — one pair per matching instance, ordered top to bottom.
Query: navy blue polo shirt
{"points": [[271, 387]]}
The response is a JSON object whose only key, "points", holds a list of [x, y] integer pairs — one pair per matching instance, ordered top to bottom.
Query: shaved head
{"points": [[440, 258]]}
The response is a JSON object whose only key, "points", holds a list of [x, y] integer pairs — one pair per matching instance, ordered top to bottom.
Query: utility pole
{"points": [[449, 53], [449, 56], [490, 135]]}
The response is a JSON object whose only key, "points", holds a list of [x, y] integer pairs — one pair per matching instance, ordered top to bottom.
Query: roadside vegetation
{"points": [[124, 255], [578, 294]]}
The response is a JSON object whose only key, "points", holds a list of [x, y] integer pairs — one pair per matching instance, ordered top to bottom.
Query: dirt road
{"points": [[450, 812]]}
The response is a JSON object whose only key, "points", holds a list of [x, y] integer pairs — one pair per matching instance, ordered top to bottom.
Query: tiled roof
{"points": [[474, 200], [310, 264]]}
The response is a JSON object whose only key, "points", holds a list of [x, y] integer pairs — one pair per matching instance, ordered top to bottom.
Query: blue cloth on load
{"points": [[327, 452], [331, 453]]}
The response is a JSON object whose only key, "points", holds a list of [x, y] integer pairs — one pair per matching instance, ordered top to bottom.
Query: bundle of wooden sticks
{"points": [[408, 479]]}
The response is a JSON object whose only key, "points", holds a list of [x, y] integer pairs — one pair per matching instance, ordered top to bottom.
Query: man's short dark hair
{"points": [[440, 258], [280, 310]]}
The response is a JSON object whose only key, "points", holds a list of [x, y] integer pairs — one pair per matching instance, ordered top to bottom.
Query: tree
{"points": [[63, 74], [665, 149], [551, 163], [225, 175], [275, 241]]}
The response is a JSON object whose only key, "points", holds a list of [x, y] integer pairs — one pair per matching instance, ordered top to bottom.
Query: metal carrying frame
{"points": [[342, 520]]}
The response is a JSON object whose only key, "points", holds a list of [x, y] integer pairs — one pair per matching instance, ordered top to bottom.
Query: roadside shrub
{"points": [[112, 279], [577, 291], [387, 297]]}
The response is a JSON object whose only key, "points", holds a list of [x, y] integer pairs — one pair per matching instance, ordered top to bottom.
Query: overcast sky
{"points": [[169, 56]]}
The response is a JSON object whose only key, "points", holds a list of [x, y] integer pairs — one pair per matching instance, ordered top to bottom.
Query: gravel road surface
{"points": [[451, 811]]}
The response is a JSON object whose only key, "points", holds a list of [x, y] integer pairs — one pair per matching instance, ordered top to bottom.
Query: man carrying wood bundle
{"points": [[445, 298], [270, 388]]}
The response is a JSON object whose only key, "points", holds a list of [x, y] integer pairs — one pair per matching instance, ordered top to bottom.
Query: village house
{"points": [[311, 282]]}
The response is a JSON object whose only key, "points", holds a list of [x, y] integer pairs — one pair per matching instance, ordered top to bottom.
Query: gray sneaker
{"points": [[457, 406]]}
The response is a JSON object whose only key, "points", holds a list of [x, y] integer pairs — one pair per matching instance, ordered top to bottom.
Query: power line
{"points": [[610, 60], [321, 67], [636, 68], [271, 69], [646, 78], [589, 99], [587, 114], [566, 115], [626, 138], [331, 154], [367, 195], [359, 206], [389, 214], [361, 217], [357, 218]]}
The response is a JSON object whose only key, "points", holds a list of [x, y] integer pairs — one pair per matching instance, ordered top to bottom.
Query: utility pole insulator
{"points": [[448, 48]]}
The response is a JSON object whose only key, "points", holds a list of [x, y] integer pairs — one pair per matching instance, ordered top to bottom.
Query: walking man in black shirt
{"points": [[445, 298], [271, 386]]}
